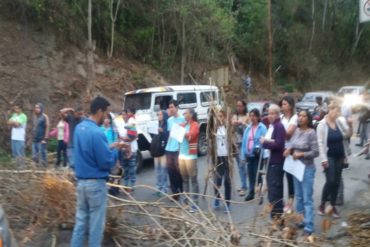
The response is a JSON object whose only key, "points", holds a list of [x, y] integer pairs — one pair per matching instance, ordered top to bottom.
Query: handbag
{"points": [[157, 146]]}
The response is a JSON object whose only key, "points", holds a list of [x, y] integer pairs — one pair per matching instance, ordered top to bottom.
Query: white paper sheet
{"points": [[153, 127], [177, 132], [294, 167]]}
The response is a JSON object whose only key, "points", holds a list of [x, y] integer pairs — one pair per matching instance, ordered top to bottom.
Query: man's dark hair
{"points": [[99, 103], [174, 103], [131, 110]]}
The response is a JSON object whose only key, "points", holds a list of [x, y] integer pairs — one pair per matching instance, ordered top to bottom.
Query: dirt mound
{"points": [[36, 67]]}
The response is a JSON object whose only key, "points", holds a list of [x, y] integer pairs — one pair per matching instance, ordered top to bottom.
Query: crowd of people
{"points": [[93, 145]]}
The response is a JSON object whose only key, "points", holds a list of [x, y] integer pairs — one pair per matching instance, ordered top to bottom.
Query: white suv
{"points": [[148, 101]]}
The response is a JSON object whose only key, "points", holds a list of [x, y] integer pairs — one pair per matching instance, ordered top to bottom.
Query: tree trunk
{"points": [[324, 15], [113, 19], [313, 26], [269, 30], [183, 51], [90, 53]]}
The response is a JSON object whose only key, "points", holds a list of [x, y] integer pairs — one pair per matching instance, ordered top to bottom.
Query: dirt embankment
{"points": [[36, 67]]}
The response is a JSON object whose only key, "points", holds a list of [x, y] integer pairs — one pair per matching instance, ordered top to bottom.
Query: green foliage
{"points": [[152, 31]]}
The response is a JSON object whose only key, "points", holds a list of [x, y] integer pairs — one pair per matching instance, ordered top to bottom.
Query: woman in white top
{"points": [[290, 121], [222, 167]]}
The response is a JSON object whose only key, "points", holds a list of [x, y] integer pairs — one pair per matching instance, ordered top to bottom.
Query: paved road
{"points": [[355, 179]]}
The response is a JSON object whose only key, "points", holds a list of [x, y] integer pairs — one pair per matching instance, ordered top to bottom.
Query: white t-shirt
{"points": [[293, 121], [60, 127], [122, 131], [19, 133], [268, 136], [221, 141]]}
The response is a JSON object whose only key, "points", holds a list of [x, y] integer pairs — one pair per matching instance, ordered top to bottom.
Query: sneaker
{"points": [[242, 192], [216, 204], [193, 209], [227, 209], [321, 210], [335, 213]]}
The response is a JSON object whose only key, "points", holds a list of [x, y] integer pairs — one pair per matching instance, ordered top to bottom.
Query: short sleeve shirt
{"points": [[286, 122], [19, 133], [172, 144]]}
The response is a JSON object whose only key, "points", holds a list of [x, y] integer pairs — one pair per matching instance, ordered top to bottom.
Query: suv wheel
{"points": [[202, 143], [139, 161]]}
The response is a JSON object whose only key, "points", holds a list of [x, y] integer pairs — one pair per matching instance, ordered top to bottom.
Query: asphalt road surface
{"points": [[355, 180]]}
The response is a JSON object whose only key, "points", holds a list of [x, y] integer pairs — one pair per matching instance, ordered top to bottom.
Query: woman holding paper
{"points": [[333, 133], [275, 143], [304, 147], [157, 150], [188, 156]]}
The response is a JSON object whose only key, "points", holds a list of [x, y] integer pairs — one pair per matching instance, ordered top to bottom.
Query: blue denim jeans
{"points": [[18, 152], [39, 153], [70, 157], [129, 167], [160, 167], [243, 172], [304, 197], [90, 212]]}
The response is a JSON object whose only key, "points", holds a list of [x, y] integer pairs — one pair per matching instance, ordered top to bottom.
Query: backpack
{"points": [[158, 145]]}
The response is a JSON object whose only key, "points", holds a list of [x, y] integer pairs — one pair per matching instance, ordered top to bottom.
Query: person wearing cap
{"points": [[72, 117], [40, 135]]}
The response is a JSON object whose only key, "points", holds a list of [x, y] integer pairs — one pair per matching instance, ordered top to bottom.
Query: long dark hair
{"points": [[290, 101], [245, 106], [256, 112], [194, 115], [309, 119]]}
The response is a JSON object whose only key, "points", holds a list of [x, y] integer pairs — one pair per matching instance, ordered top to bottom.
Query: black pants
{"points": [[61, 150], [223, 173], [252, 173], [174, 174], [333, 176], [289, 178], [275, 186]]}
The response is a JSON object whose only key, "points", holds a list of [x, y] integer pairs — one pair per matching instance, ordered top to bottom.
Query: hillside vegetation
{"points": [[313, 41]]}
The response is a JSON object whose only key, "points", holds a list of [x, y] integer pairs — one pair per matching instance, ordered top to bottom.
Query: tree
{"points": [[113, 17], [90, 52]]}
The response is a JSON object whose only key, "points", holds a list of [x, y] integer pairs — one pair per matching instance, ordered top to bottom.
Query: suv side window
{"points": [[207, 97], [187, 100], [162, 101]]}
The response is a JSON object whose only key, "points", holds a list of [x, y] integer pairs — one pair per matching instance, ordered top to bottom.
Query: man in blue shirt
{"points": [[172, 150], [93, 160]]}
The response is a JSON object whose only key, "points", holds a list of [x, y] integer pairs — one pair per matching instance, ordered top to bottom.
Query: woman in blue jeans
{"points": [[304, 147], [251, 149]]}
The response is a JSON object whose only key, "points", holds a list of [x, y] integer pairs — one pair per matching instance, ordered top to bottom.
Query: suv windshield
{"points": [[139, 101]]}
